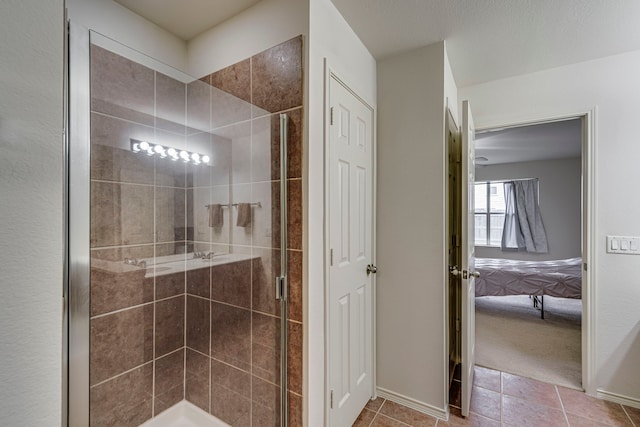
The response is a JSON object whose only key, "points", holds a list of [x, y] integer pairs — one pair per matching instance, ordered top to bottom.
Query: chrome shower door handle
{"points": [[371, 269]]}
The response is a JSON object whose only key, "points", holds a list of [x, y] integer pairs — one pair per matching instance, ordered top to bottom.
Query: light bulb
{"points": [[144, 145], [135, 147], [160, 150], [173, 153], [184, 155], [196, 158], [205, 159]]}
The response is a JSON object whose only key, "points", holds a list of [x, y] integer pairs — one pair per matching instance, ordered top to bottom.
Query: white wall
{"points": [[117, 22], [268, 23], [330, 37], [611, 85], [560, 184], [31, 210], [411, 226]]}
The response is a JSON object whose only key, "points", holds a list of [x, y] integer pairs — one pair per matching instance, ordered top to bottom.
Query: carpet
{"points": [[511, 337]]}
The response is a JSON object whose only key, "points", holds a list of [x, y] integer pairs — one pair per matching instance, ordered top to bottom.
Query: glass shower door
{"points": [[175, 308]]}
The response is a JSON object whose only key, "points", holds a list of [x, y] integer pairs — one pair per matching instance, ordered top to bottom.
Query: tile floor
{"points": [[500, 399]]}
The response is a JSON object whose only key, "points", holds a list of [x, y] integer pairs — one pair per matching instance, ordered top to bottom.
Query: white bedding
{"points": [[558, 278]]}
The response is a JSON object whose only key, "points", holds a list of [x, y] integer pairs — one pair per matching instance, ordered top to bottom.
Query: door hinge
{"points": [[331, 116], [331, 257], [585, 266], [331, 399]]}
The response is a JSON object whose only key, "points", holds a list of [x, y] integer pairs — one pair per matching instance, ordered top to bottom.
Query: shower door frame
{"points": [[78, 209]]}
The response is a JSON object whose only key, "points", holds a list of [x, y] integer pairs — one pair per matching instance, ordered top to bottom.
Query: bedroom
{"points": [[528, 305]]}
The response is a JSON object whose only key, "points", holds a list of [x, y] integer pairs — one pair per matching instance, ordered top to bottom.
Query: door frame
{"points": [[329, 73], [589, 223]]}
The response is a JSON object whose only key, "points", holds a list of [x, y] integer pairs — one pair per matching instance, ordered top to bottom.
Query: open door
{"points": [[467, 260]]}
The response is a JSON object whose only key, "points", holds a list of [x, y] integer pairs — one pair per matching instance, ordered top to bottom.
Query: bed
{"points": [[558, 278]]}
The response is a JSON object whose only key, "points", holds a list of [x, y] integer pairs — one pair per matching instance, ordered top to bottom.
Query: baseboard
{"points": [[618, 398], [442, 414]]}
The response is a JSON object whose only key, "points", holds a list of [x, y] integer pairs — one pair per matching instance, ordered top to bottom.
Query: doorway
{"points": [[581, 127], [528, 304]]}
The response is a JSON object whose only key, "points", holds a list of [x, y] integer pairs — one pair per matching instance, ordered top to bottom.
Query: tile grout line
{"points": [[155, 238], [564, 412], [375, 414]]}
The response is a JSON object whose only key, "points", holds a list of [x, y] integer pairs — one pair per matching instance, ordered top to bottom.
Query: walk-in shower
{"points": [[185, 237]]}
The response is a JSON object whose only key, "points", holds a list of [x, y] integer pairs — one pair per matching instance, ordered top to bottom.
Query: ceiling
{"points": [[187, 18], [486, 39], [492, 39], [546, 141]]}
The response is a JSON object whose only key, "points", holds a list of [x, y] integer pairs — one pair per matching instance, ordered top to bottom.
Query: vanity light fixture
{"points": [[174, 154]]}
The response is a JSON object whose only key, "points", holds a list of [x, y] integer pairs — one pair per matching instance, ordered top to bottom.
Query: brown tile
{"points": [[277, 77], [234, 79], [120, 87], [170, 104], [198, 106], [227, 109], [294, 145], [111, 155], [121, 214], [170, 214], [294, 214], [263, 234], [264, 269], [198, 281], [294, 281], [231, 283], [115, 285], [169, 285], [198, 324], [169, 325], [231, 335], [121, 341], [266, 347], [294, 357], [232, 378], [487, 378], [169, 381], [197, 387], [531, 390], [230, 394], [455, 394], [123, 401], [265, 403], [486, 403], [577, 403], [374, 404], [230, 407], [295, 410], [518, 412], [634, 414], [406, 415], [364, 419], [473, 420], [384, 421]]}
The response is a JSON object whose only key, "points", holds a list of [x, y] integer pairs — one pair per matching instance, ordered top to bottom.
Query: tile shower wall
{"points": [[233, 319], [209, 335]]}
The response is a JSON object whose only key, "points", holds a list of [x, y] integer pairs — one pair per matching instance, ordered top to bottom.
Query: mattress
{"points": [[558, 278]]}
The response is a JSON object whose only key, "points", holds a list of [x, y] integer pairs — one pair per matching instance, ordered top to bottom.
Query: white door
{"points": [[350, 242], [468, 256]]}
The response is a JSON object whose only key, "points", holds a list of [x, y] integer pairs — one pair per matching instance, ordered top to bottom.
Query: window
{"points": [[489, 213]]}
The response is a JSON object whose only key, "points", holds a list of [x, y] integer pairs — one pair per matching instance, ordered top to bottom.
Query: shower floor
{"points": [[184, 414]]}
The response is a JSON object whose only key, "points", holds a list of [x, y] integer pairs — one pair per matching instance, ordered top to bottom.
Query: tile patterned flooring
{"points": [[500, 399]]}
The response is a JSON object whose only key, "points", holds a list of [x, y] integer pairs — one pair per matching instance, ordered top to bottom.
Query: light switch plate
{"points": [[629, 245]]}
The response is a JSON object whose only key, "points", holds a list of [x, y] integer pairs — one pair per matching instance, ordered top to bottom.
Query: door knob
{"points": [[371, 269], [453, 269], [474, 274]]}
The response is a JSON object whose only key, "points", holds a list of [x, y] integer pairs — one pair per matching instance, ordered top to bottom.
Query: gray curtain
{"points": [[523, 228]]}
